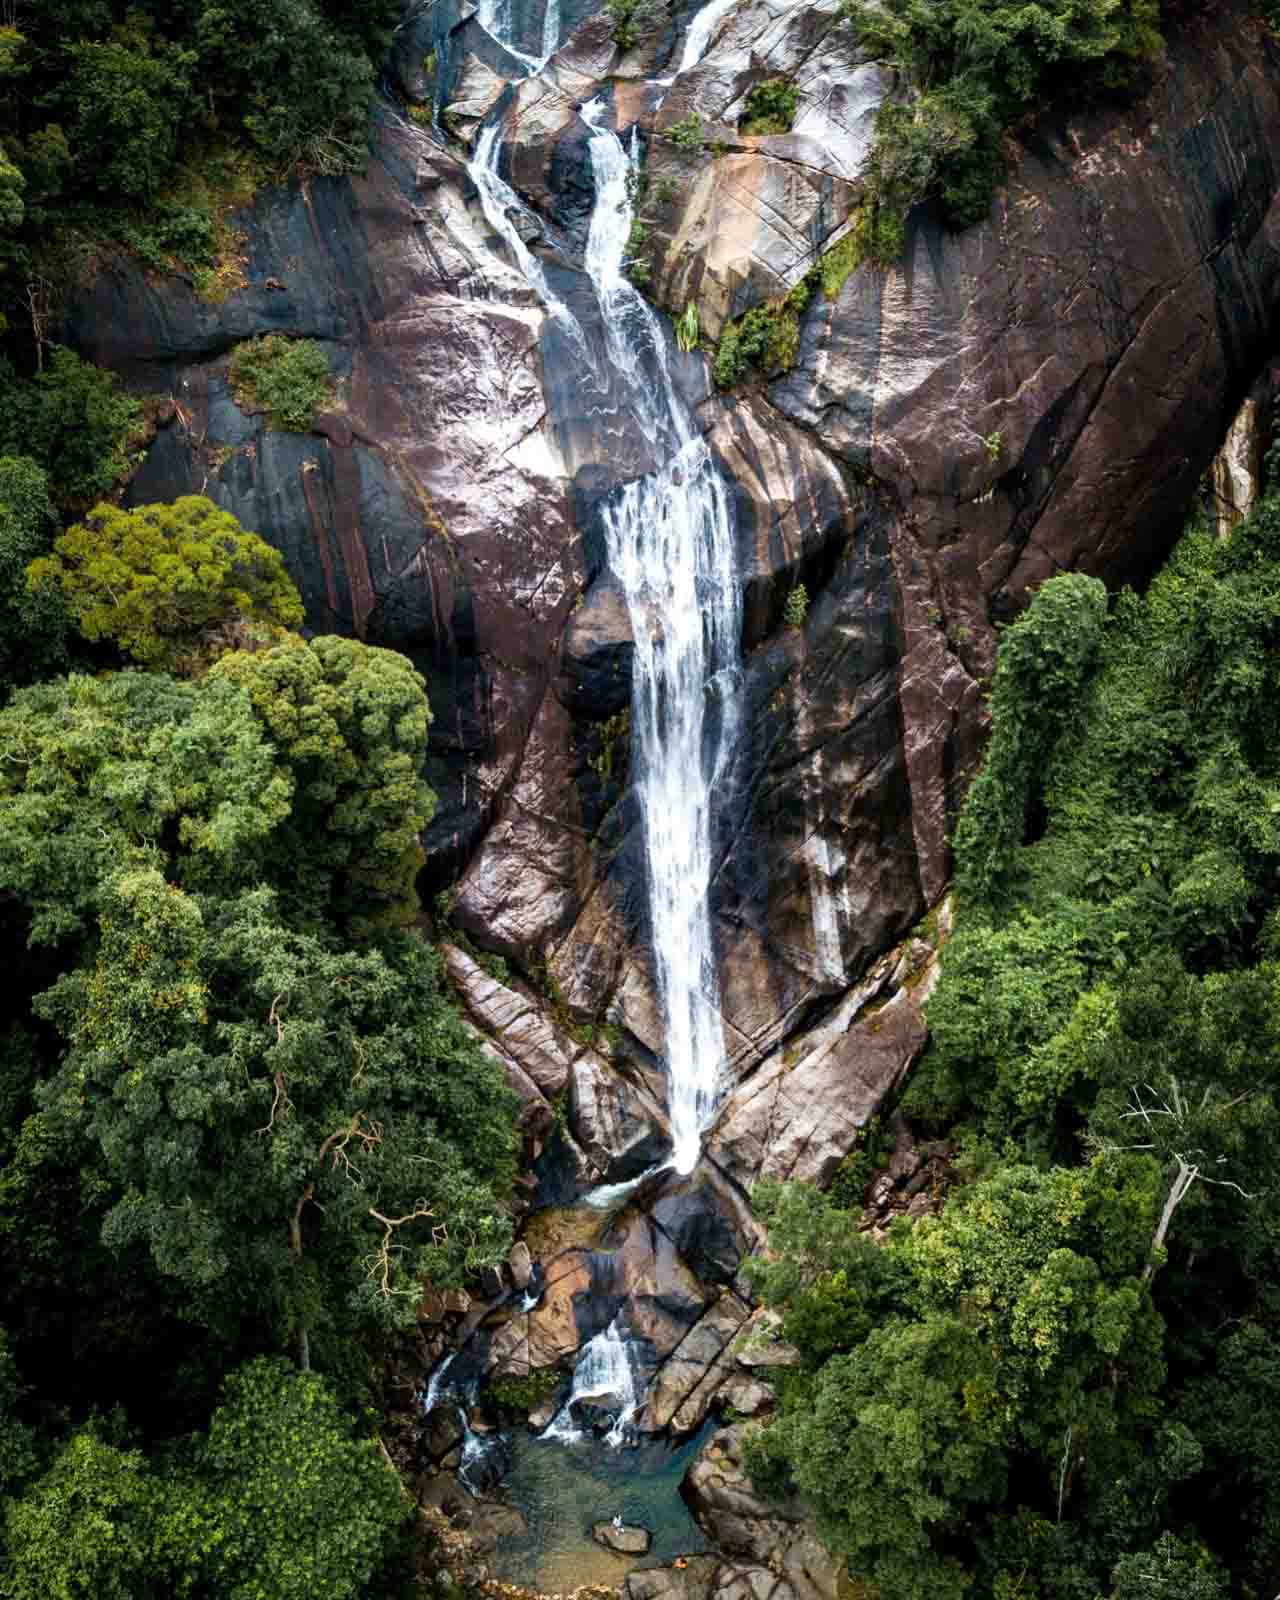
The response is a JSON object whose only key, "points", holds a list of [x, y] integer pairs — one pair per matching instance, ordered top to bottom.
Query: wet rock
{"points": [[596, 653], [517, 1024], [611, 1121], [708, 1224], [519, 1265], [492, 1282], [442, 1432], [627, 1541]]}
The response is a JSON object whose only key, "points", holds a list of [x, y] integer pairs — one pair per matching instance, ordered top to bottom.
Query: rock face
{"points": [[996, 408]]}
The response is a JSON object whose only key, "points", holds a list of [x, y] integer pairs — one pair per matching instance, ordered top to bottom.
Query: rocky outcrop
{"points": [[997, 407], [773, 1536], [626, 1541]]}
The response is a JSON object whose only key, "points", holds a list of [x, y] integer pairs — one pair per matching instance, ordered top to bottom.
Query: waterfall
{"points": [[494, 16], [699, 35], [670, 545], [603, 1372], [443, 1390]]}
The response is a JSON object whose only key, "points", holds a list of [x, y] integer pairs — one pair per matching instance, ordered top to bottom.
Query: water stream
{"points": [[669, 539]]}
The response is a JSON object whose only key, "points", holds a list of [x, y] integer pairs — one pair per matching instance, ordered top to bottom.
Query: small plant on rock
{"points": [[770, 107], [686, 134], [687, 329], [289, 379], [797, 607]]}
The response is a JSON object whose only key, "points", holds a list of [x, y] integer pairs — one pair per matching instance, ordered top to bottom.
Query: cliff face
{"points": [[1040, 393]]}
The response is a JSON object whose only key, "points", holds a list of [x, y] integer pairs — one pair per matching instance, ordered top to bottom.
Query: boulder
{"points": [[596, 652], [517, 1024], [613, 1122], [519, 1265], [761, 1347], [688, 1380], [772, 1537], [626, 1541], [692, 1580]]}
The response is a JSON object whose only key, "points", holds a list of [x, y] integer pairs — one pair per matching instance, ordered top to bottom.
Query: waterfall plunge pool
{"points": [[561, 1489]]}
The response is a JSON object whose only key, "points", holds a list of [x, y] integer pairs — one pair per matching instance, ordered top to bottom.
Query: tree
{"points": [[126, 96], [70, 419], [164, 581], [33, 626], [1044, 659], [350, 723], [105, 773], [1188, 1069], [292, 1129], [896, 1440], [281, 1498], [82, 1532], [1172, 1570]]}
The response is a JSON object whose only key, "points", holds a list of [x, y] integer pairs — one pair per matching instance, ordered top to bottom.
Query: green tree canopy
{"points": [[72, 420], [164, 582], [33, 626], [349, 722], [289, 1126], [281, 1498]]}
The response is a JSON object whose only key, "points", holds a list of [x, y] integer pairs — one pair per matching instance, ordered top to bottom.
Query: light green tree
{"points": [[163, 582]]}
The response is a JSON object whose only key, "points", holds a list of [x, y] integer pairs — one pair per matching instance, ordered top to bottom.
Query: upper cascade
{"points": [[670, 545]]}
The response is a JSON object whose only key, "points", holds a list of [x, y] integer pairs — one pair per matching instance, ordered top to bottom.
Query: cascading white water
{"points": [[494, 16], [699, 35], [670, 545], [603, 1372], [442, 1389]]}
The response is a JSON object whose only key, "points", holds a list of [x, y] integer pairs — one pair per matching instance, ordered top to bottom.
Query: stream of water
{"points": [[670, 546]]}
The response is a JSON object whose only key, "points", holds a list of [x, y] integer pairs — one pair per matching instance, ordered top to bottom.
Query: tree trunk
{"points": [[295, 1244]]}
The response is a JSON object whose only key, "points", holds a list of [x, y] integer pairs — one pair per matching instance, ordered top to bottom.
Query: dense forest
{"points": [[242, 1121], [1065, 1384]]}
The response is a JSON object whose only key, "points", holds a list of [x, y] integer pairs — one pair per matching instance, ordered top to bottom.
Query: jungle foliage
{"points": [[973, 69], [241, 1121], [1055, 1386]]}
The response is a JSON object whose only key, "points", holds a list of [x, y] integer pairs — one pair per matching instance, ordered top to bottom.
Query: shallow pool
{"points": [[562, 1489]]}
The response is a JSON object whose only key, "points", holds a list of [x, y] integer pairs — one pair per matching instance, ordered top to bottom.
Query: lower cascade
{"points": [[603, 1372]]}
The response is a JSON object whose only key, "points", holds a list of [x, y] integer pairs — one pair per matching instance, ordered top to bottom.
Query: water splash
{"points": [[670, 545], [603, 1372], [443, 1389]]}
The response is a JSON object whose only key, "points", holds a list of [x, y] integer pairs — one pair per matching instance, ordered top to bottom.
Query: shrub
{"points": [[632, 19], [975, 68], [770, 107], [686, 134], [687, 330], [289, 379], [72, 421], [797, 607]]}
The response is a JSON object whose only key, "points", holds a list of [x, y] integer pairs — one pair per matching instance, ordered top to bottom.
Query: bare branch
{"points": [[381, 1261]]}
